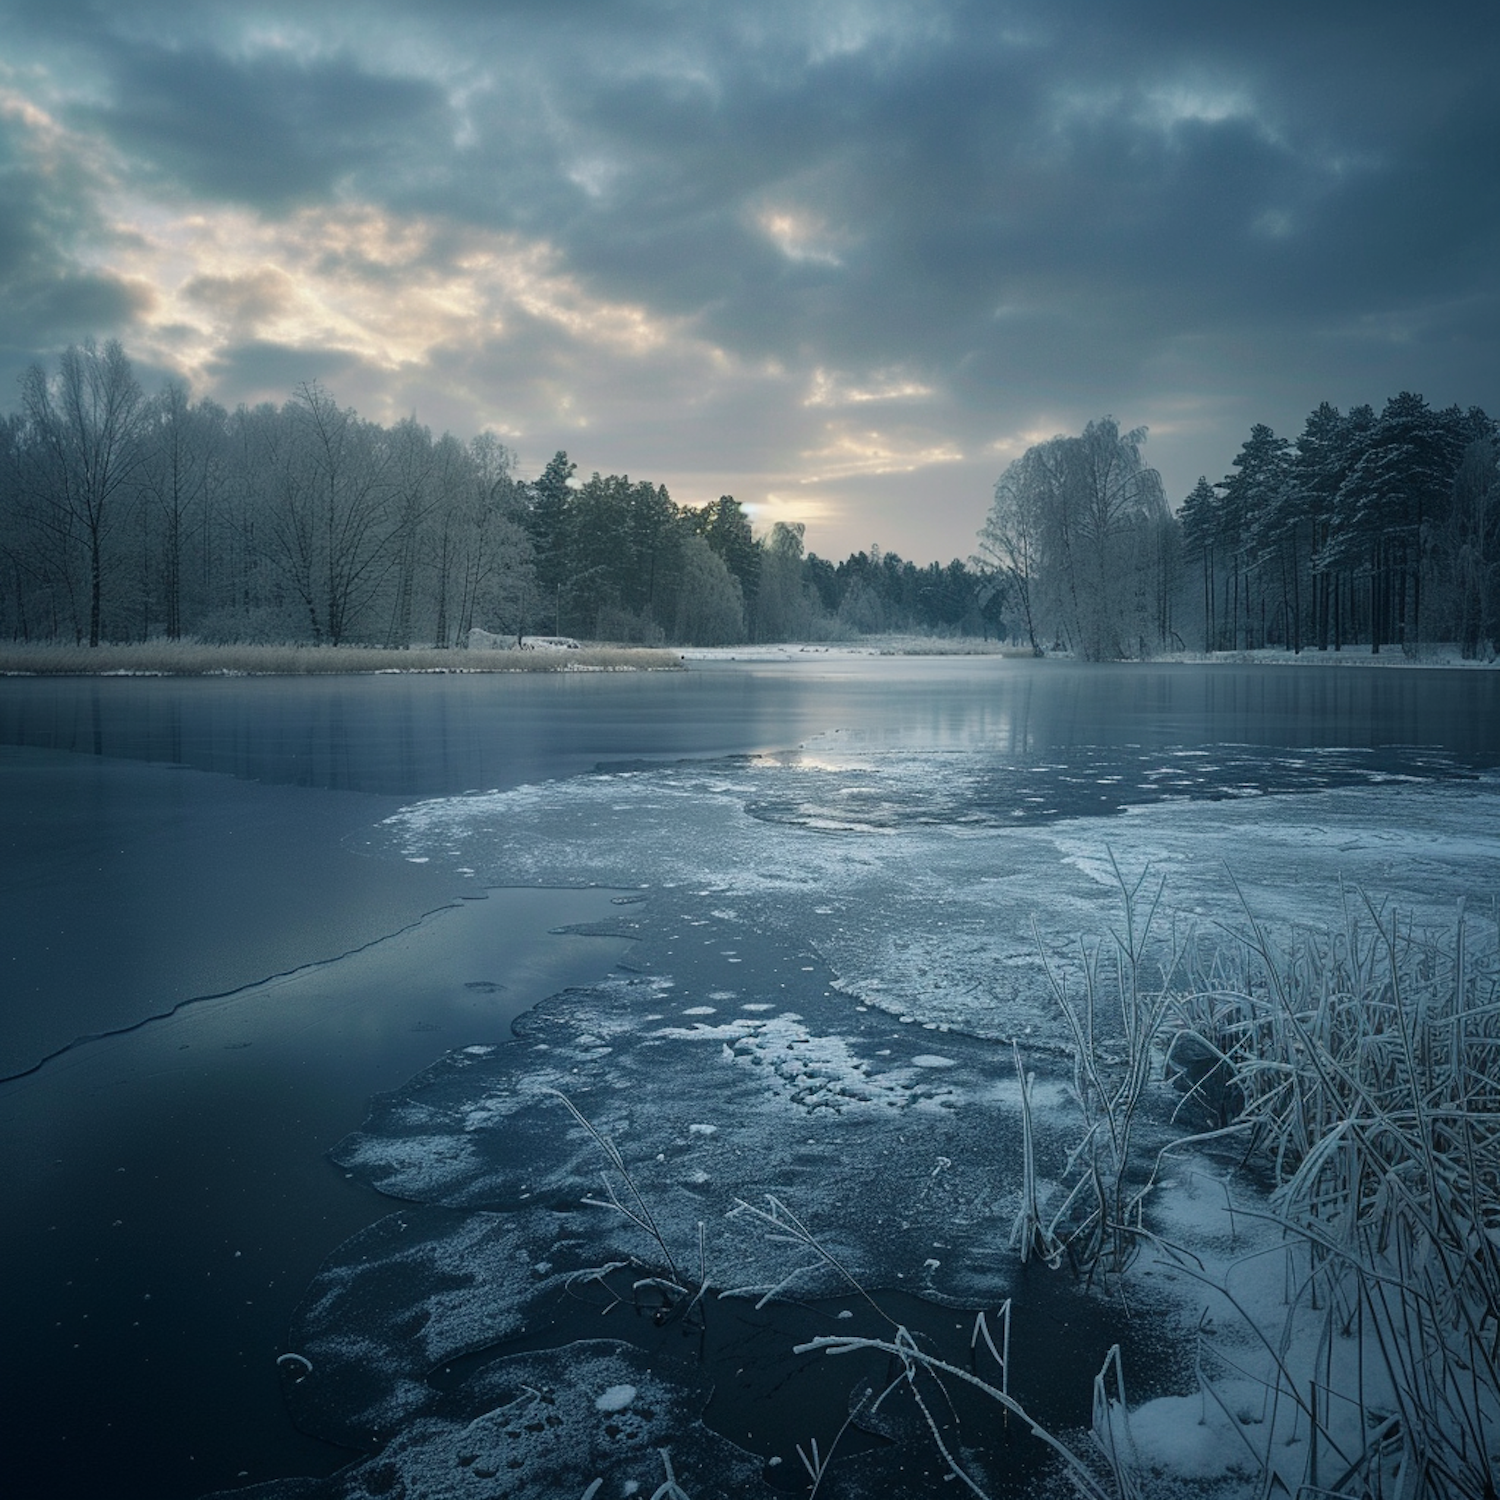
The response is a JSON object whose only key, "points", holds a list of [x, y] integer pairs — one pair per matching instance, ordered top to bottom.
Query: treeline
{"points": [[126, 517], [1377, 530], [1383, 530]]}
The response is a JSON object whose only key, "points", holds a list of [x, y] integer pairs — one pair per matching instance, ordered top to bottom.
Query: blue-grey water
{"points": [[206, 851]]}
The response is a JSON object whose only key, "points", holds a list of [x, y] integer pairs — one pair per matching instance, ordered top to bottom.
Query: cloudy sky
{"points": [[842, 260]]}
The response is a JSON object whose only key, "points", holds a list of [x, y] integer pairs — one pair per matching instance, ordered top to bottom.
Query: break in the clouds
{"points": [[842, 260]]}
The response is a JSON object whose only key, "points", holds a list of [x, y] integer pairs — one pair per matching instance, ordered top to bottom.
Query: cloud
{"points": [[271, 129], [865, 239], [51, 285], [244, 301], [259, 370], [831, 388], [847, 450]]}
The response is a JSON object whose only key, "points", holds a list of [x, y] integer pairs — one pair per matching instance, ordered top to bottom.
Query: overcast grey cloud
{"points": [[841, 260]]}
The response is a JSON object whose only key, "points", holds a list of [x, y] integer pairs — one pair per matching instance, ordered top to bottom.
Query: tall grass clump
{"points": [[1116, 1017], [1365, 1065]]}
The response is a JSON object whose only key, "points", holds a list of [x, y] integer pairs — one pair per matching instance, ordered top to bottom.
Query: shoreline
{"points": [[1440, 654], [1437, 655], [194, 659]]}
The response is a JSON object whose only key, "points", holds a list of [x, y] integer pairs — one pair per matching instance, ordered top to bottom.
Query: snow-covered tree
{"points": [[81, 457], [1076, 528], [1468, 550], [710, 606], [783, 611]]}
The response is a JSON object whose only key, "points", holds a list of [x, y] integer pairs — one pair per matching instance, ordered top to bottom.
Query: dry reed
{"points": [[201, 659]]}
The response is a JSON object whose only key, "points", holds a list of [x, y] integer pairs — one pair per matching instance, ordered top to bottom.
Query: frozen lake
{"points": [[870, 837]]}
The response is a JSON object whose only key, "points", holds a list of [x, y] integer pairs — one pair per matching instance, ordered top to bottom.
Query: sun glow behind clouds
{"points": [[800, 236], [388, 291], [830, 388], [1013, 444], [848, 452]]}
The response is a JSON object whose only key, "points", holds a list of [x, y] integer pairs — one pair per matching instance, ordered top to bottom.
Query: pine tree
{"points": [[1393, 492], [1199, 518], [549, 520], [726, 528]]}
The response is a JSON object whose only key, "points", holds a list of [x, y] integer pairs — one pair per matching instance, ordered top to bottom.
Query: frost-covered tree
{"points": [[83, 450], [414, 496], [330, 514], [1077, 525], [1010, 541], [492, 550], [1468, 550], [710, 606], [783, 611]]}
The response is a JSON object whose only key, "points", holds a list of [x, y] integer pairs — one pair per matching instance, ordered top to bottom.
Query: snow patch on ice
{"points": [[616, 1398]]}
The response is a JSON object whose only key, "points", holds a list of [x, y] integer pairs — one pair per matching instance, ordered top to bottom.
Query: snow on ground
{"points": [[865, 645], [1433, 654], [1429, 655]]}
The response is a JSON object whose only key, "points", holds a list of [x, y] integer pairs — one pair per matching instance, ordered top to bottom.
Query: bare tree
{"points": [[85, 431], [181, 461], [413, 470], [1114, 498], [327, 509], [1076, 527], [1010, 542], [498, 567]]}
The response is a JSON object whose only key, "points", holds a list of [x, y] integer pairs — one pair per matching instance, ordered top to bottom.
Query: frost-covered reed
{"points": [[202, 659], [1115, 1020], [1366, 1065], [1360, 1071], [1357, 1072], [663, 1279]]}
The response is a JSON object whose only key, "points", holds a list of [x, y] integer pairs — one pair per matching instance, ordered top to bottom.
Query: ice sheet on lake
{"points": [[889, 790], [932, 915], [828, 956], [741, 1075], [856, 1122], [869, 1135]]}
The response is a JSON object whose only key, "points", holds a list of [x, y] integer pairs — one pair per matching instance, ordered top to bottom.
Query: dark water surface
{"points": [[423, 735], [166, 840]]}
